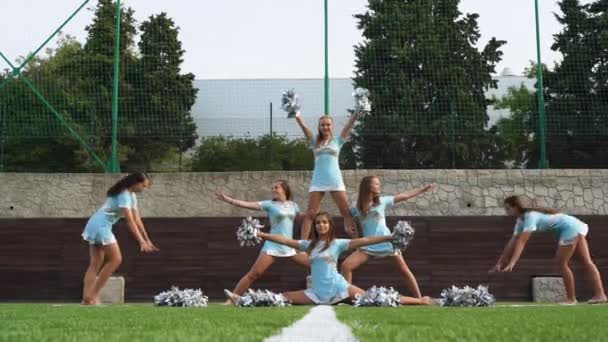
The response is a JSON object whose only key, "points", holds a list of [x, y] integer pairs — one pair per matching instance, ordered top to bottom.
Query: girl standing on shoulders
{"points": [[326, 176]]}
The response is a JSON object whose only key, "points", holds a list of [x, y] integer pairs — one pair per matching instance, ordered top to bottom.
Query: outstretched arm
{"points": [[349, 126], [305, 129], [406, 195], [238, 203], [280, 239], [372, 240], [519, 242], [504, 256]]}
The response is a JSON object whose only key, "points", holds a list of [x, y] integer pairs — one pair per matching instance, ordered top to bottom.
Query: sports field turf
{"points": [[143, 322]]}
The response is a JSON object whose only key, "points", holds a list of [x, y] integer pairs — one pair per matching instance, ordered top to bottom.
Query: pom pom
{"points": [[290, 102], [362, 104], [247, 233], [403, 233], [378, 296], [467, 296], [183, 298], [259, 298]]}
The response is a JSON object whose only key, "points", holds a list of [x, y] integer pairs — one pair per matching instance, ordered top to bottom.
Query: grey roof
{"points": [[241, 107]]}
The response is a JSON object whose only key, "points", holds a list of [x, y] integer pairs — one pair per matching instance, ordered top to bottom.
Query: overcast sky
{"points": [[272, 38]]}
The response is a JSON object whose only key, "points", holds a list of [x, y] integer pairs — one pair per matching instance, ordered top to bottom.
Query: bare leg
{"points": [[314, 202], [342, 203], [112, 251], [582, 252], [563, 256], [301, 259], [356, 259], [96, 261], [257, 270], [407, 275], [297, 298], [404, 300]]}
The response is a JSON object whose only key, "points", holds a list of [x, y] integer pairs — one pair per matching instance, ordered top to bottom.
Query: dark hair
{"points": [[319, 135], [126, 182], [286, 188], [364, 194], [518, 202], [331, 234]]}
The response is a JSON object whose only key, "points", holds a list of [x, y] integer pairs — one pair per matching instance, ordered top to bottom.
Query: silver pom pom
{"points": [[290, 102], [362, 104], [247, 233], [403, 233], [378, 296], [467, 296], [183, 298], [259, 298]]}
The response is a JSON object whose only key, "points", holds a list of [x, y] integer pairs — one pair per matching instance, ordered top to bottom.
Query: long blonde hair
{"points": [[319, 134]]}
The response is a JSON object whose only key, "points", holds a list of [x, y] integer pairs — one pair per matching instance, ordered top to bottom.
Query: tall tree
{"points": [[427, 81], [575, 93], [162, 96]]}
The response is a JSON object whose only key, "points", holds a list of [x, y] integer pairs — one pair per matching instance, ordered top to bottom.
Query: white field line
{"points": [[319, 325]]}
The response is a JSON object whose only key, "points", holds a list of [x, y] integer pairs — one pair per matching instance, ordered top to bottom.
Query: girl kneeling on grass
{"points": [[121, 202], [572, 240], [328, 286]]}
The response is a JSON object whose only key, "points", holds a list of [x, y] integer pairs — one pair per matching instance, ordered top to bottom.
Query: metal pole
{"points": [[326, 60], [3, 113], [271, 134], [453, 134], [181, 139], [542, 163], [114, 166]]}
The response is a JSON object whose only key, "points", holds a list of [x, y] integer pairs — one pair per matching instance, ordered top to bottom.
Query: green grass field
{"points": [[141, 322], [528, 323]]}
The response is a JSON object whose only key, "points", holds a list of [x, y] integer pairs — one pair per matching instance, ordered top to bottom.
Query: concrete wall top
{"points": [[459, 193]]}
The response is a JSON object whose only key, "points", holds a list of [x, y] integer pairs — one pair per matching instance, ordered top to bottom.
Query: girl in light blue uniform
{"points": [[326, 176], [120, 203], [282, 212], [370, 212], [571, 234], [328, 286]]}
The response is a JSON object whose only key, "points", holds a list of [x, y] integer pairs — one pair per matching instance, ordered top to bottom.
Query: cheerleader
{"points": [[326, 175], [120, 203], [282, 212], [370, 214], [571, 233], [328, 286]]}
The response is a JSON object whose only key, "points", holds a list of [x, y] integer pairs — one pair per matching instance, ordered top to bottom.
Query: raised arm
{"points": [[349, 126], [305, 129], [406, 195], [238, 203], [280, 239], [372, 240], [519, 242], [143, 243]]}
